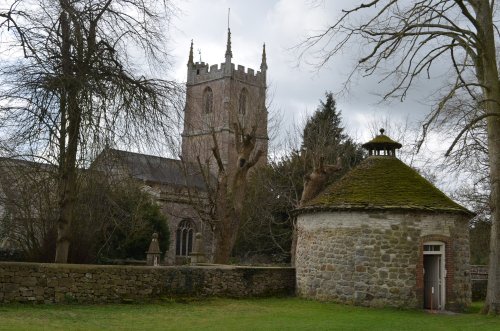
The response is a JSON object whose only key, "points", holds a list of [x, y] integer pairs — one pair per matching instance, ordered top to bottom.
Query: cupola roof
{"points": [[382, 145]]}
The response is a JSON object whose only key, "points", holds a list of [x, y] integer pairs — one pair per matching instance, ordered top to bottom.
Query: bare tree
{"points": [[409, 37], [76, 87], [221, 205], [27, 212]]}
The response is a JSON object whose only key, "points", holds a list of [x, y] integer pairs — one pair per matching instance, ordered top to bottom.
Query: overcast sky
{"points": [[282, 24]]}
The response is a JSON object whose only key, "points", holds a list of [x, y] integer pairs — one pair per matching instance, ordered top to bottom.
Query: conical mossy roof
{"points": [[383, 183]]}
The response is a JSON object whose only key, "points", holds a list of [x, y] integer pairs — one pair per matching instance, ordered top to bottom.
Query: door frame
{"points": [[429, 248]]}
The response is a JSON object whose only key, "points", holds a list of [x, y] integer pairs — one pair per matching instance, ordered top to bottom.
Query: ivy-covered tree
{"points": [[130, 217]]}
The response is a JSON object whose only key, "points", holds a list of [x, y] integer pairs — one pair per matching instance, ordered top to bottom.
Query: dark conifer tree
{"points": [[324, 136]]}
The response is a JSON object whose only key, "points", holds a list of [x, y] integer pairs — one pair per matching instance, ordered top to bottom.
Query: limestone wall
{"points": [[375, 259], [54, 283]]}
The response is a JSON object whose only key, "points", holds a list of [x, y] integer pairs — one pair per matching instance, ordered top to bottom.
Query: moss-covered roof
{"points": [[381, 141], [383, 182]]}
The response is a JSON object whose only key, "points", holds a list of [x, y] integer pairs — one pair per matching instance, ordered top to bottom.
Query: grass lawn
{"points": [[227, 314]]}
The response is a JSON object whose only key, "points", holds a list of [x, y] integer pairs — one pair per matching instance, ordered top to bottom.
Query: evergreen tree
{"points": [[323, 131], [324, 136]]}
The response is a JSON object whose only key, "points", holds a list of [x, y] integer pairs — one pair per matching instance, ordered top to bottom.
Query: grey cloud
{"points": [[281, 25]]}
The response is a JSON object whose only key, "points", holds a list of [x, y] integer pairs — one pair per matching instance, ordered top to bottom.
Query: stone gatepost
{"points": [[153, 253], [197, 255]]}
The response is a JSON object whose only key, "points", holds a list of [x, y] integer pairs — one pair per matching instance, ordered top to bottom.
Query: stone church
{"points": [[217, 97]]}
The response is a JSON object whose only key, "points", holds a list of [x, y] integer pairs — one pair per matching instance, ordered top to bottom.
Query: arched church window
{"points": [[208, 100], [242, 108], [184, 238]]}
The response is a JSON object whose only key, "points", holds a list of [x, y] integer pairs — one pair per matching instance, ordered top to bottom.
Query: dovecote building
{"points": [[384, 236]]}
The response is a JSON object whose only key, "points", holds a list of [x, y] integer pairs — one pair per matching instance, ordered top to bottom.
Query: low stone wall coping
{"points": [[135, 267]]}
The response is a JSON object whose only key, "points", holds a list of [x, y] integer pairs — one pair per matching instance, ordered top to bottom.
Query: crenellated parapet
{"points": [[201, 72], [250, 76]]}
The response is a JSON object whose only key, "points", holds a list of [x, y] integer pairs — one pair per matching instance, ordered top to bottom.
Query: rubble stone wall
{"points": [[375, 258], [56, 283]]}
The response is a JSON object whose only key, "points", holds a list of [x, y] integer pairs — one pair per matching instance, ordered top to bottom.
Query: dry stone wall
{"points": [[374, 259], [55, 283]]}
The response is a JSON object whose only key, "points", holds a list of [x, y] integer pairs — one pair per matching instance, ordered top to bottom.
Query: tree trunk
{"points": [[487, 72], [67, 167], [315, 181], [68, 184], [67, 193], [229, 203], [224, 213], [231, 215], [226, 231], [225, 239], [293, 248], [492, 303]]}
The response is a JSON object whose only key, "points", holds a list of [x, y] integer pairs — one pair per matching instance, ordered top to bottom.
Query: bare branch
{"points": [[467, 128]]}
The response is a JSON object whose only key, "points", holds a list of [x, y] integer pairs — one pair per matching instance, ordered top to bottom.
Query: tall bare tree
{"points": [[409, 37], [76, 87], [223, 201]]}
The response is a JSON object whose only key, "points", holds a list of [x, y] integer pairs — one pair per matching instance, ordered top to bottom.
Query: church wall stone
{"points": [[176, 212], [375, 258]]}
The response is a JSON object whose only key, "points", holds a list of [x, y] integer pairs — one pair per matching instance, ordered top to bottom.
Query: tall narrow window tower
{"points": [[216, 99]]}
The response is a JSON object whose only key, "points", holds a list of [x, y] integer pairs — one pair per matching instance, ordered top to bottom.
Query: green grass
{"points": [[227, 314]]}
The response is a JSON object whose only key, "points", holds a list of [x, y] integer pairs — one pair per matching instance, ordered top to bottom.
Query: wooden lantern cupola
{"points": [[382, 145]]}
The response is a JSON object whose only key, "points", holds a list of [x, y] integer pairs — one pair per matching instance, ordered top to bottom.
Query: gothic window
{"points": [[208, 100], [242, 108], [184, 238]]}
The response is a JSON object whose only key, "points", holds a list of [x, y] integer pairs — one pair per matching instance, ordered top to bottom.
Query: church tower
{"points": [[216, 99]]}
